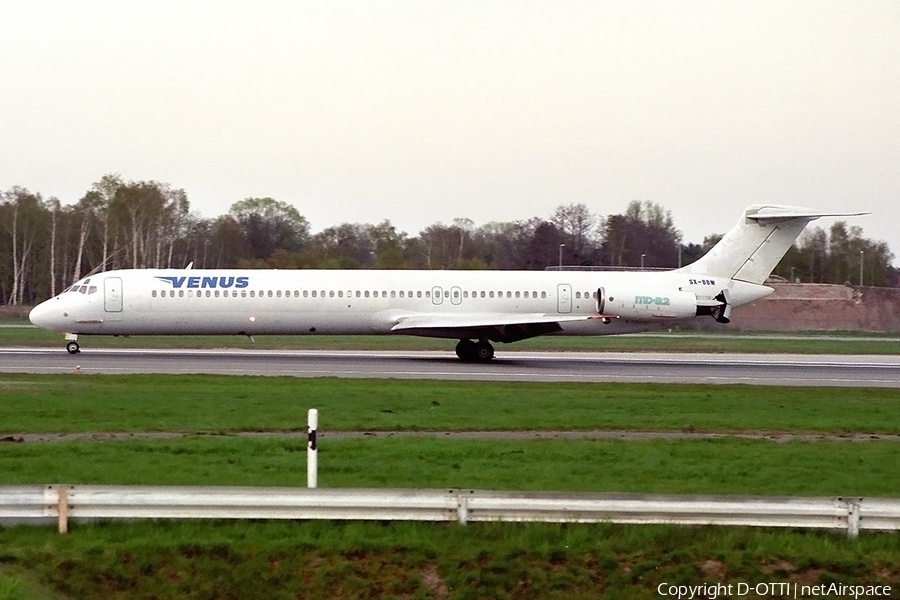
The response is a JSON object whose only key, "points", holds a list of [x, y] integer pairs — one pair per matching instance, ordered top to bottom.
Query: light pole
{"points": [[560, 256], [642, 261], [860, 268]]}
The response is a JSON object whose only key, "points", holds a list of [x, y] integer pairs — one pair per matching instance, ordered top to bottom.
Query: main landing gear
{"points": [[470, 351]]}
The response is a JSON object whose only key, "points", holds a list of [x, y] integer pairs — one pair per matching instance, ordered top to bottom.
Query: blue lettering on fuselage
{"points": [[207, 282]]}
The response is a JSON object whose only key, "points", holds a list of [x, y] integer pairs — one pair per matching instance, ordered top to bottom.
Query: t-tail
{"points": [[753, 247]]}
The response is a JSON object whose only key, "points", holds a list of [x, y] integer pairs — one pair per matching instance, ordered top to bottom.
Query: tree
{"points": [[577, 223], [268, 224], [645, 234]]}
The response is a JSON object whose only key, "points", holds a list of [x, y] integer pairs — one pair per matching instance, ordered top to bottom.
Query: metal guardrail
{"points": [[64, 502]]}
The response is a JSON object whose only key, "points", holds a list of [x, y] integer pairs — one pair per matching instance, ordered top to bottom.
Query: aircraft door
{"points": [[112, 294], [437, 295], [456, 295], [564, 298]]}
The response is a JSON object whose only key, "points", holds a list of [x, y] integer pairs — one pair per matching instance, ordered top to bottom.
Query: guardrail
{"points": [[64, 502]]}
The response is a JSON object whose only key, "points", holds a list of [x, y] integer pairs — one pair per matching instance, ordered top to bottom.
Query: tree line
{"points": [[45, 246]]}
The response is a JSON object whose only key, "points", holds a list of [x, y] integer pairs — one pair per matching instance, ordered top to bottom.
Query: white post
{"points": [[312, 450]]}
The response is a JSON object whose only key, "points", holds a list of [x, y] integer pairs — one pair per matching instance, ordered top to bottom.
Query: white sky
{"points": [[422, 111]]}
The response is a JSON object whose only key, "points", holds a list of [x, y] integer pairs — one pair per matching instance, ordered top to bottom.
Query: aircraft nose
{"points": [[43, 315]]}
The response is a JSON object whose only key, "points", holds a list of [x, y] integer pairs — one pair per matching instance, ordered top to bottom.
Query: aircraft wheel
{"points": [[73, 348], [465, 350], [484, 351]]}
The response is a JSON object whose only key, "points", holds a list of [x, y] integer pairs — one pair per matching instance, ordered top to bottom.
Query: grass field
{"points": [[210, 404], [250, 560], [274, 560]]}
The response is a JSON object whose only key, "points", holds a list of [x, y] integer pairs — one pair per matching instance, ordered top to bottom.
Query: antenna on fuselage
{"points": [[190, 264]]}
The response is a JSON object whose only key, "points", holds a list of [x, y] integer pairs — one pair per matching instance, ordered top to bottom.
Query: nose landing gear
{"points": [[72, 346]]}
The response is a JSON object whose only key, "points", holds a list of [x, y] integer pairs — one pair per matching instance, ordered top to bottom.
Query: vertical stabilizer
{"points": [[753, 247]]}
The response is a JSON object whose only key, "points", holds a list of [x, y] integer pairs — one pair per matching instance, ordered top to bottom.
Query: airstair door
{"points": [[112, 294]]}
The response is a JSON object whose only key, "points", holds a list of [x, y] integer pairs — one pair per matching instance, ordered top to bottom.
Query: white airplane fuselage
{"points": [[311, 302]]}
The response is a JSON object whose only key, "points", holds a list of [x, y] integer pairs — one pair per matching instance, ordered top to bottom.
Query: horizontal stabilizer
{"points": [[772, 214]]}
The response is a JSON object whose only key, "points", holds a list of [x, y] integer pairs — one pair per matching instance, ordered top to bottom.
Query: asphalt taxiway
{"points": [[755, 369]]}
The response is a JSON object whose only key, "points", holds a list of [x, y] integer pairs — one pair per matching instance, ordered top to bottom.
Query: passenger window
{"points": [[180, 293], [217, 293], [243, 293], [306, 293], [314, 293], [322, 293], [331, 293], [367, 293], [384, 293], [427, 293], [153, 294], [208, 294], [340, 294], [358, 294], [393, 294], [401, 294], [410, 294], [419, 294], [465, 294], [482, 294], [492, 294], [509, 294], [517, 294], [543, 294], [578, 295]]}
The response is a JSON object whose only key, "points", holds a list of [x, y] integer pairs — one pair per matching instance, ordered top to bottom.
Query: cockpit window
{"points": [[74, 288], [92, 290]]}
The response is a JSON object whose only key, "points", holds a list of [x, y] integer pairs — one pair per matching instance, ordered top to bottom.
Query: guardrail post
{"points": [[312, 450], [462, 508], [62, 509], [853, 517]]}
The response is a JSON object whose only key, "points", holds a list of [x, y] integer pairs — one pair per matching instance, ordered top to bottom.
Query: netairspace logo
{"points": [[207, 282], [772, 590]]}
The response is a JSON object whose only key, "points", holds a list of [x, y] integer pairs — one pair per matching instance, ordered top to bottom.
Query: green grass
{"points": [[677, 341], [208, 403], [720, 466], [325, 560], [342, 560]]}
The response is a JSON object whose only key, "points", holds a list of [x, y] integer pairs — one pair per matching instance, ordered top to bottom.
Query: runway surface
{"points": [[755, 369]]}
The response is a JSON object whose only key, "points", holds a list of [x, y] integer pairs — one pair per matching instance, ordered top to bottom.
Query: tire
{"points": [[484, 351]]}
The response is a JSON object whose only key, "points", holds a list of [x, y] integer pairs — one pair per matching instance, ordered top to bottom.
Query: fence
{"points": [[64, 502]]}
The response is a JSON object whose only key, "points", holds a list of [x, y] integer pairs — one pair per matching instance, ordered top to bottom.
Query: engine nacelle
{"points": [[646, 303]]}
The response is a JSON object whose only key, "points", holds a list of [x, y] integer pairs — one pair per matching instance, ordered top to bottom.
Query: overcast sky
{"points": [[423, 111]]}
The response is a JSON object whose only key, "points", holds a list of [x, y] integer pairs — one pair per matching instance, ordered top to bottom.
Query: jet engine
{"points": [[646, 303]]}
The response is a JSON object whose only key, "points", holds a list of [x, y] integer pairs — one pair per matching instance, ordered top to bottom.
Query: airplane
{"points": [[474, 307]]}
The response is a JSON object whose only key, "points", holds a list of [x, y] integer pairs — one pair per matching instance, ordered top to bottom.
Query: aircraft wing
{"points": [[498, 327]]}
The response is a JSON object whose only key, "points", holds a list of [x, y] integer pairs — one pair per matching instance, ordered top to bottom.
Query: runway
{"points": [[753, 369]]}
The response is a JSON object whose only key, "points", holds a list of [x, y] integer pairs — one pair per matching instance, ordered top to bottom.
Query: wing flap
{"points": [[476, 320]]}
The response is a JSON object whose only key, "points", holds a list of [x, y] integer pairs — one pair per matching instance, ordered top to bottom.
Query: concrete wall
{"points": [[798, 306]]}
